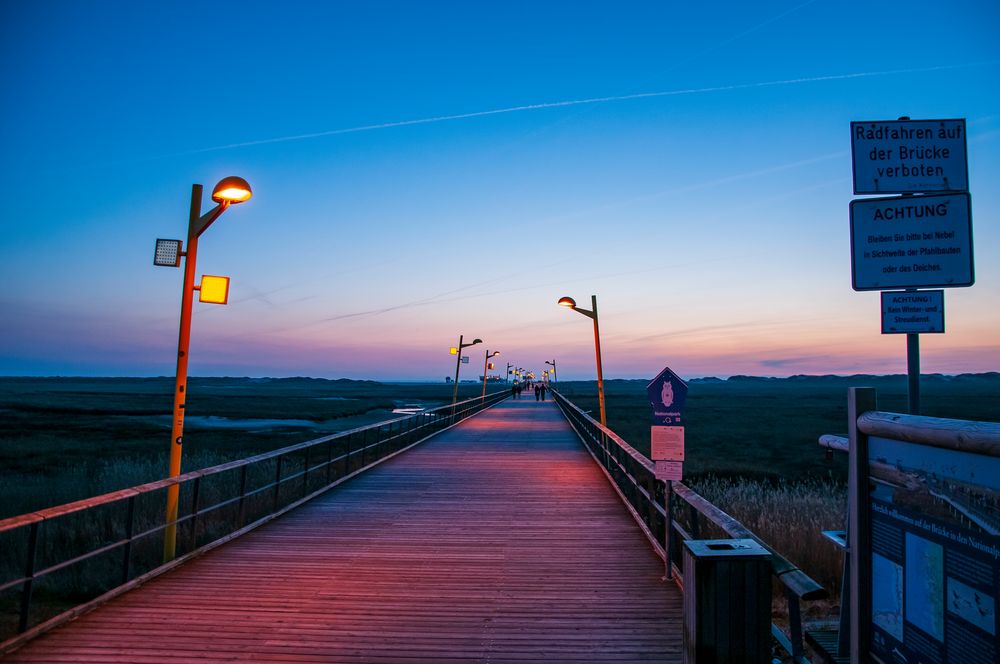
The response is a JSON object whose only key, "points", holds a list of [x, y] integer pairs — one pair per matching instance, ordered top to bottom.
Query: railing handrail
{"points": [[960, 435], [834, 442], [628, 449], [28, 518], [791, 575]]}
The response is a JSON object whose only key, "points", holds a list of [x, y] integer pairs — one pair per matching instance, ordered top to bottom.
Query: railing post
{"points": [[348, 452], [329, 460], [305, 473], [277, 483], [649, 486], [195, 491], [241, 516], [668, 526], [695, 530], [129, 531], [29, 573], [794, 624]]}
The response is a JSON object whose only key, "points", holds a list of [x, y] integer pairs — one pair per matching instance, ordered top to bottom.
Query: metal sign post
{"points": [[921, 239], [913, 312], [667, 394]]}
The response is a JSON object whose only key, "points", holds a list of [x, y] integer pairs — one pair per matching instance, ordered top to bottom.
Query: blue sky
{"points": [[710, 217]]}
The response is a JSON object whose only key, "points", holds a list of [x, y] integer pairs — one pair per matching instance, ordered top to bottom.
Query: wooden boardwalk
{"points": [[497, 541]]}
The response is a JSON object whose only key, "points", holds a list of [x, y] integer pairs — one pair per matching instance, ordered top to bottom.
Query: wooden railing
{"points": [[650, 500], [119, 533]]}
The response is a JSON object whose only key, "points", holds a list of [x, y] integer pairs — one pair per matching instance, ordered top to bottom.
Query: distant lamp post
{"points": [[213, 290], [570, 303], [458, 361], [486, 366], [506, 376], [555, 378]]}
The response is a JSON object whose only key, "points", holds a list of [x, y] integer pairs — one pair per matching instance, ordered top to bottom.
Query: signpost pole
{"points": [[913, 369], [913, 372], [667, 394], [668, 526]]}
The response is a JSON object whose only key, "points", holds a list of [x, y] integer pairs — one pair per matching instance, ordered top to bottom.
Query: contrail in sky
{"points": [[578, 102]]}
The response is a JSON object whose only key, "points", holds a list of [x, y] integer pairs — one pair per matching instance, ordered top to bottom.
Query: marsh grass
{"points": [[789, 516]]}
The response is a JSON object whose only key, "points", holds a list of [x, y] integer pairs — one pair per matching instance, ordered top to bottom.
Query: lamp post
{"points": [[229, 191], [571, 304], [458, 363], [486, 365], [506, 376], [555, 378]]}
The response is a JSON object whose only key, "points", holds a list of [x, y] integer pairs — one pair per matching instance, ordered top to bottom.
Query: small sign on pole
{"points": [[909, 156], [921, 239], [911, 242], [913, 312], [465, 359], [667, 394], [666, 443], [669, 471]]}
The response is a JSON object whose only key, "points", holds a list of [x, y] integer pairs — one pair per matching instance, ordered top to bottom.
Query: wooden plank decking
{"points": [[498, 540]]}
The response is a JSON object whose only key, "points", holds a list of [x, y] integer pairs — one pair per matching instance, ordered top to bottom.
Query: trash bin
{"points": [[727, 602]]}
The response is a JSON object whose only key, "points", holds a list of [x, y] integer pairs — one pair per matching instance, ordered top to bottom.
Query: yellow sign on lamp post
{"points": [[213, 289]]}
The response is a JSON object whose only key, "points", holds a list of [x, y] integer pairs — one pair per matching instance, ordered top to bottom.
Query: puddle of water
{"points": [[413, 407]]}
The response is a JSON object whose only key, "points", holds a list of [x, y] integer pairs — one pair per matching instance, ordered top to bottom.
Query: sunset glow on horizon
{"points": [[421, 172]]}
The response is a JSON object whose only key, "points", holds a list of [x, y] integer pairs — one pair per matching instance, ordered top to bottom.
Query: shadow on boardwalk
{"points": [[498, 540]]}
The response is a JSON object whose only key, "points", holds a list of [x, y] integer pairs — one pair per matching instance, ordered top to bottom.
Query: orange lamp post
{"points": [[215, 290], [570, 303], [458, 364], [486, 366], [553, 372]]}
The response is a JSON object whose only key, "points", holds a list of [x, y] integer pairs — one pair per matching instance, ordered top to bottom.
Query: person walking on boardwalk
{"points": [[541, 388], [513, 391], [537, 395]]}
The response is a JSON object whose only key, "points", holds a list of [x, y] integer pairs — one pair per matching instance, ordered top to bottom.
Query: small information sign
{"points": [[909, 156], [911, 242], [913, 312], [465, 359], [666, 443], [669, 471]]}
